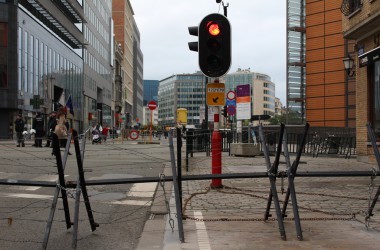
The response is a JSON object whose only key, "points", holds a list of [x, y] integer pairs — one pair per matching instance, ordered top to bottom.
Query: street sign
{"points": [[215, 94], [231, 95], [231, 102], [152, 105], [231, 110], [134, 134]]}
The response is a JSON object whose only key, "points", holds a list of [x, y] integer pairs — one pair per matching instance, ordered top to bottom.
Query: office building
{"points": [[122, 13], [98, 59], [41, 60], [295, 61], [138, 83], [262, 90], [150, 91], [181, 91]]}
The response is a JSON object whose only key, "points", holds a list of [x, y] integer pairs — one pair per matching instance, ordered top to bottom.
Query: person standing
{"points": [[38, 126], [19, 127], [51, 127], [61, 129], [105, 133]]}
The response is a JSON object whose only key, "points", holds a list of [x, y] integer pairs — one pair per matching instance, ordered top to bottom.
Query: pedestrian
{"points": [[38, 126], [19, 127], [51, 127], [61, 129], [105, 133]]}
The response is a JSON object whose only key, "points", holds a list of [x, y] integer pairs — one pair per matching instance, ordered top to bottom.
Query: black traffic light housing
{"points": [[193, 30], [214, 45], [224, 111]]}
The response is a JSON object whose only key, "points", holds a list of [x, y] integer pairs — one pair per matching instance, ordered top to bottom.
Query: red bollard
{"points": [[216, 150]]}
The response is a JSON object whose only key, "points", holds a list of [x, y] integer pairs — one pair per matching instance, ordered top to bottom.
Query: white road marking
{"points": [[47, 177], [143, 190], [28, 196], [132, 202], [203, 240]]}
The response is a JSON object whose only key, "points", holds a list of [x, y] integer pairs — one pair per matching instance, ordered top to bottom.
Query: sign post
{"points": [[152, 105]]}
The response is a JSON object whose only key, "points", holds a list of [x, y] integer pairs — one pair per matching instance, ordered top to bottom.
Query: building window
{"points": [[3, 56], [375, 99]]}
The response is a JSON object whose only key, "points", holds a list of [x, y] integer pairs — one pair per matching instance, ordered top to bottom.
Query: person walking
{"points": [[38, 126], [19, 127], [51, 127]]}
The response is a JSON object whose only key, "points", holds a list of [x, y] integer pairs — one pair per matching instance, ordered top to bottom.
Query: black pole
{"points": [[179, 163], [93, 224]]}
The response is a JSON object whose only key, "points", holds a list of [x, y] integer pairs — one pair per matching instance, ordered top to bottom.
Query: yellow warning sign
{"points": [[215, 94]]}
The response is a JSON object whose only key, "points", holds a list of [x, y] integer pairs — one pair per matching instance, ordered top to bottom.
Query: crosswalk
{"points": [[140, 194]]}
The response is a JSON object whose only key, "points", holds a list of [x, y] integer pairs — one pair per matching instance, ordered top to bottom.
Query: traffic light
{"points": [[193, 30], [214, 45], [224, 111]]}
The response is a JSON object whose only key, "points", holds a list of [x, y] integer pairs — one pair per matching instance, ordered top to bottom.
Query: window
{"points": [[349, 7], [3, 56], [375, 99]]}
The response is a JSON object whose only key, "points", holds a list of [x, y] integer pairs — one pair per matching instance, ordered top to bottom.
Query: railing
{"points": [[350, 6], [319, 141]]}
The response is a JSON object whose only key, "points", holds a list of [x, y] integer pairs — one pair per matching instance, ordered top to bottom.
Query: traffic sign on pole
{"points": [[215, 94], [152, 105]]}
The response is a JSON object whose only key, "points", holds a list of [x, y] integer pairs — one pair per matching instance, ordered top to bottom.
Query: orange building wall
{"points": [[118, 16], [325, 75]]}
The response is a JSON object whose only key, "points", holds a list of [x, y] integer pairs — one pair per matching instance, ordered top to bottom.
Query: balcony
{"points": [[350, 7]]}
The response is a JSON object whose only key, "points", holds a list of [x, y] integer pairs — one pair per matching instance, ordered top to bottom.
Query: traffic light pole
{"points": [[206, 107], [216, 148]]}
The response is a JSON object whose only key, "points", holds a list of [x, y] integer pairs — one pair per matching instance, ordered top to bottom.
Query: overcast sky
{"points": [[258, 36]]}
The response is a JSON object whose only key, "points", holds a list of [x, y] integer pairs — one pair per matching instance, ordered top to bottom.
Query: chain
{"points": [[162, 184], [69, 191], [370, 191], [351, 216]]}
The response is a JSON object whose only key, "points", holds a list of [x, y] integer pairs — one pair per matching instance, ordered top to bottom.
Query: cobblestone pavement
{"points": [[332, 209]]}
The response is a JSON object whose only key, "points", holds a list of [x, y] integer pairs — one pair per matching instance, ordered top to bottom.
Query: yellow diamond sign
{"points": [[215, 94]]}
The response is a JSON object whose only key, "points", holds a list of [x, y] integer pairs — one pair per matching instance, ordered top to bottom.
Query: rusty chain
{"points": [[162, 184]]}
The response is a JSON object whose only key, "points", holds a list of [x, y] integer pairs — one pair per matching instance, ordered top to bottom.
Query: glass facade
{"points": [[44, 63], [296, 64], [150, 91], [181, 91]]}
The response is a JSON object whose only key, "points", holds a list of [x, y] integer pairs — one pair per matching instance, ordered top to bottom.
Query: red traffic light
{"points": [[213, 28], [214, 45]]}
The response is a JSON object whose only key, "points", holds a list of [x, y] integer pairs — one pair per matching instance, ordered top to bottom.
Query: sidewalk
{"points": [[332, 210]]}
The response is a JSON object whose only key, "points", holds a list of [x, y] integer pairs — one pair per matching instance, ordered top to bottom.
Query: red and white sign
{"points": [[231, 95], [152, 105], [134, 134]]}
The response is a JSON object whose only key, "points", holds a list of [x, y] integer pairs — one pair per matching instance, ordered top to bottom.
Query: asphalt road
{"points": [[120, 210]]}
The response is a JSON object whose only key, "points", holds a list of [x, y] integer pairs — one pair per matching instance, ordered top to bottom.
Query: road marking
{"points": [[47, 177], [143, 190], [28, 196], [132, 202], [203, 240]]}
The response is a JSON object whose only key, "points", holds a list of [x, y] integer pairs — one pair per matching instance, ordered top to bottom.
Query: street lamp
{"points": [[349, 66]]}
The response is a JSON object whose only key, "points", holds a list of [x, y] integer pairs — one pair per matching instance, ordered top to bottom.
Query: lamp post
{"points": [[349, 65]]}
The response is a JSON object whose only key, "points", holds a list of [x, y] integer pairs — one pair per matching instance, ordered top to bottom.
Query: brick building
{"points": [[361, 23], [330, 92]]}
